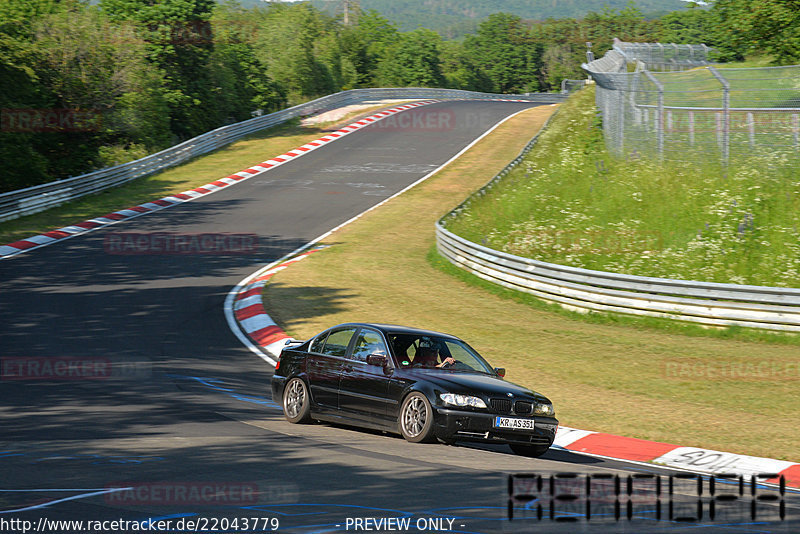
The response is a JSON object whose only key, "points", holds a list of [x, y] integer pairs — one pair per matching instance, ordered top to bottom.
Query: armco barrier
{"points": [[41, 197], [706, 303]]}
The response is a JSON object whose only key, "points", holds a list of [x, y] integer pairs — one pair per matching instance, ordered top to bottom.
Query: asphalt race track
{"points": [[186, 423]]}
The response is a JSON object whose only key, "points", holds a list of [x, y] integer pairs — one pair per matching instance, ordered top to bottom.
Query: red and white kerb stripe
{"points": [[53, 236]]}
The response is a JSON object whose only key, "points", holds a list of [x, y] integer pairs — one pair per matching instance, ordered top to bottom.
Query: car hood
{"points": [[463, 382]]}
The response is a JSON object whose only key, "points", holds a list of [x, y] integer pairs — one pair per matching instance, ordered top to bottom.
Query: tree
{"points": [[691, 26], [758, 26], [180, 41], [286, 46], [505, 50], [414, 60], [90, 64], [558, 64], [460, 71], [240, 81], [23, 154]]}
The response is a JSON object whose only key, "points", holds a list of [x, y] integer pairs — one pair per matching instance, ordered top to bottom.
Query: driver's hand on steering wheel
{"points": [[447, 361]]}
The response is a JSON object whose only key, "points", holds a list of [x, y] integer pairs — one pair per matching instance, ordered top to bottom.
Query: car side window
{"points": [[337, 342], [368, 342], [318, 343], [405, 347]]}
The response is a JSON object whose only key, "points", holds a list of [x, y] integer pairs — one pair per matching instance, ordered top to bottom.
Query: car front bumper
{"points": [[451, 425]]}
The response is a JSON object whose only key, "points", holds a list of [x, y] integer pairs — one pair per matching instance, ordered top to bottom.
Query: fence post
{"points": [[621, 113], [726, 113], [659, 114]]}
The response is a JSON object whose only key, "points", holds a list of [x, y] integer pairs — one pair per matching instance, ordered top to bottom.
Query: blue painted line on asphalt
{"points": [[204, 381], [210, 383], [256, 400], [97, 459], [102, 460], [39, 506]]}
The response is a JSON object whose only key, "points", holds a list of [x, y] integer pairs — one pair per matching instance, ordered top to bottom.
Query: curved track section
{"points": [[125, 396]]}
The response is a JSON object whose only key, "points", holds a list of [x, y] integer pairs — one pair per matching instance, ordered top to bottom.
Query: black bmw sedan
{"points": [[422, 384]]}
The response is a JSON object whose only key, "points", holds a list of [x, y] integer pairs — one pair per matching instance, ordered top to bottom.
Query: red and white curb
{"points": [[60, 234], [243, 309], [248, 309], [250, 322], [695, 459]]}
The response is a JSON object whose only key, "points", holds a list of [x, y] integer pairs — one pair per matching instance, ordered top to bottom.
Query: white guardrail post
{"points": [[41, 197]]}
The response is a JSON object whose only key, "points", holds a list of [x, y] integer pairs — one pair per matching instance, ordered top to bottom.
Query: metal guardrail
{"points": [[41, 197], [582, 289], [706, 303]]}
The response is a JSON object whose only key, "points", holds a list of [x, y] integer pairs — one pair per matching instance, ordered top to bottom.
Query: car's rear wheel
{"points": [[296, 402], [416, 419], [532, 451]]}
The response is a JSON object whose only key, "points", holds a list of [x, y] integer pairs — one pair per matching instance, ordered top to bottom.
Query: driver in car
{"points": [[429, 357]]}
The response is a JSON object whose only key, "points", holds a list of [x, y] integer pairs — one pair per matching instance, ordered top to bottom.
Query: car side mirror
{"points": [[378, 360], [500, 371]]}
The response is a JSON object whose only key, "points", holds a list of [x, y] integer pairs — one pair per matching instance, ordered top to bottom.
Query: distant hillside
{"points": [[456, 17]]}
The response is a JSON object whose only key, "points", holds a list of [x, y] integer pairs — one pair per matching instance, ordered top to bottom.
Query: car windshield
{"points": [[437, 352]]}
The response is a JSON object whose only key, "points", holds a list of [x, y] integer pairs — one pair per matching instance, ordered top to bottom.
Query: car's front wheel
{"points": [[296, 403], [416, 419], [532, 451]]}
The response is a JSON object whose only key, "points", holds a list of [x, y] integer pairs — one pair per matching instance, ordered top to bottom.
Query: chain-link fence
{"points": [[664, 57], [570, 86], [700, 110]]}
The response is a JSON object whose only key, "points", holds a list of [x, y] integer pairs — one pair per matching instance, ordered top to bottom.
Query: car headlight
{"points": [[462, 400], [543, 408]]}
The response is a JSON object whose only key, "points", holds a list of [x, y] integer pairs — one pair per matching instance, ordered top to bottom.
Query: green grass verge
{"points": [[239, 155], [571, 202], [627, 379]]}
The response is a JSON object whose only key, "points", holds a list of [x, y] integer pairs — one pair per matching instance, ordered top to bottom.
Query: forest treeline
{"points": [[456, 18], [85, 86]]}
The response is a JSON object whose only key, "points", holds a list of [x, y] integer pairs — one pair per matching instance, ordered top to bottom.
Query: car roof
{"points": [[398, 329]]}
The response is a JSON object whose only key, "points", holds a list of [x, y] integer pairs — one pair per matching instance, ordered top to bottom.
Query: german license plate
{"points": [[513, 423]]}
